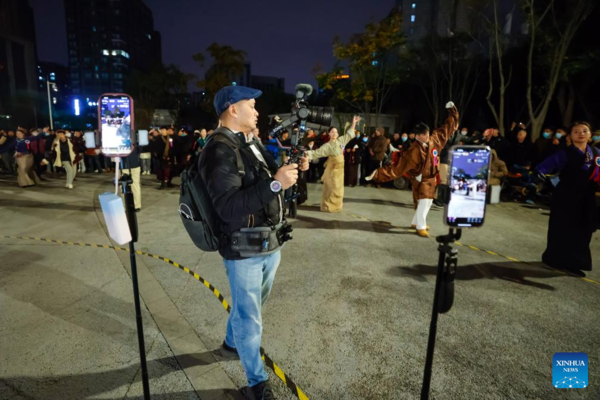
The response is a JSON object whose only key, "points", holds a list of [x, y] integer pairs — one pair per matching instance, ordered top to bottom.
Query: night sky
{"points": [[282, 38]]}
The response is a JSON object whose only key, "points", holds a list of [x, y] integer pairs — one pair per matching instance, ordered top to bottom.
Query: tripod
{"points": [[125, 183], [443, 297]]}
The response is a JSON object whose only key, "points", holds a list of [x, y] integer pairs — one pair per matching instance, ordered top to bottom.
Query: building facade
{"points": [[106, 40], [18, 55]]}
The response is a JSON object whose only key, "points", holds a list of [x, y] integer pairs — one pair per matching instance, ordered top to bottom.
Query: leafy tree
{"points": [[373, 60], [228, 64], [158, 88]]}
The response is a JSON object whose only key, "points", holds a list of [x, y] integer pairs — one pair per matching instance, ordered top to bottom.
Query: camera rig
{"points": [[301, 114]]}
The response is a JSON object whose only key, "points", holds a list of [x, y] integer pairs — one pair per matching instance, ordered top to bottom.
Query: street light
{"points": [[48, 83]]}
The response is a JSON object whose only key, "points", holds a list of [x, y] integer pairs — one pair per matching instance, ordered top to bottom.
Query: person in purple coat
{"points": [[573, 216]]}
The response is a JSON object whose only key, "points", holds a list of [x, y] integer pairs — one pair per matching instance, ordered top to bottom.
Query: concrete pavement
{"points": [[348, 317]]}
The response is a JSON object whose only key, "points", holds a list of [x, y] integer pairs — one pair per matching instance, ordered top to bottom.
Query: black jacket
{"points": [[239, 201]]}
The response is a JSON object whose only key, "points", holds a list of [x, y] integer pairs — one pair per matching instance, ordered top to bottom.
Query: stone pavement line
{"points": [[389, 224], [164, 309]]}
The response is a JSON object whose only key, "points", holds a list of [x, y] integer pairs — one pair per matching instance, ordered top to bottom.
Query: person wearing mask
{"points": [[464, 136], [405, 141], [558, 142], [542, 143], [7, 149], [64, 156], [421, 162], [25, 167], [333, 177], [254, 199], [573, 214]]}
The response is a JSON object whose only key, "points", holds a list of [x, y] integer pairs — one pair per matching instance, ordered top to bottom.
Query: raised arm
{"points": [[441, 135]]}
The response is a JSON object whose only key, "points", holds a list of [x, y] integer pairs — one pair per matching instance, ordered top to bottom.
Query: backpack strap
{"points": [[224, 135]]}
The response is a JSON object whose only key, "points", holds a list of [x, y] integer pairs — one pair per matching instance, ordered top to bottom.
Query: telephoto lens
{"points": [[320, 115]]}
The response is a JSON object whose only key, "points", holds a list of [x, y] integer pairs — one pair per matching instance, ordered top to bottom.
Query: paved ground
{"points": [[348, 317]]}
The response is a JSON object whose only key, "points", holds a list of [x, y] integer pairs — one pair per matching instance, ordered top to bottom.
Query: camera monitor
{"points": [[116, 123], [468, 183]]}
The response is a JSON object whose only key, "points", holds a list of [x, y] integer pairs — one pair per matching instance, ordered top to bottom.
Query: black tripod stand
{"points": [[125, 183], [442, 298]]}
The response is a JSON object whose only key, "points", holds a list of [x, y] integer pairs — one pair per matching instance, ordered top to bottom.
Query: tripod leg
{"points": [[433, 327]]}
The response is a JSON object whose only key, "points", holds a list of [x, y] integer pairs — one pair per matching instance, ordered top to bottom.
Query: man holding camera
{"points": [[246, 198]]}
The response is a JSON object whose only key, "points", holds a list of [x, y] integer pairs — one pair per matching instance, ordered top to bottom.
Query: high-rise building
{"points": [[446, 17], [107, 39], [18, 57]]}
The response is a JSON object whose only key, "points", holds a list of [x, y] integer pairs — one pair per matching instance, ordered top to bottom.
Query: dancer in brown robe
{"points": [[421, 163]]}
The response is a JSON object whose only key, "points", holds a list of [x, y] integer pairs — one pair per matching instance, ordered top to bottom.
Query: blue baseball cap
{"points": [[232, 94]]}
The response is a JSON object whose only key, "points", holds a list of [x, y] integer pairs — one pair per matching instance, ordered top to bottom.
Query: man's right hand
{"points": [[287, 175]]}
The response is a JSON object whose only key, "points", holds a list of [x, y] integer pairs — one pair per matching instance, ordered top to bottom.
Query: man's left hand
{"points": [[304, 163]]}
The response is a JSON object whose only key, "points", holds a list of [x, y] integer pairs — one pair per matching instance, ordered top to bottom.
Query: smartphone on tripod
{"points": [[468, 180]]}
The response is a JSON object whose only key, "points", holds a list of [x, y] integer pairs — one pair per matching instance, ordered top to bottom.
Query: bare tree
{"points": [[559, 36]]}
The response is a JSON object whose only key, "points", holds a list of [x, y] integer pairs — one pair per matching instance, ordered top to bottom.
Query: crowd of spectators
{"points": [[30, 154]]}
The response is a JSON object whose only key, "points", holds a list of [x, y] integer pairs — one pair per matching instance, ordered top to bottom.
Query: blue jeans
{"points": [[250, 281]]}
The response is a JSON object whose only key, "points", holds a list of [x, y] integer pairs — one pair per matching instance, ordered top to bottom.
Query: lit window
{"points": [[414, 5], [412, 18], [149, 36], [106, 52], [114, 53], [375, 62], [41, 78], [234, 83]]}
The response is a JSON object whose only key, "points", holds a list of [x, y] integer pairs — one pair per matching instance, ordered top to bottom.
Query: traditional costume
{"points": [[421, 162], [333, 177], [573, 215]]}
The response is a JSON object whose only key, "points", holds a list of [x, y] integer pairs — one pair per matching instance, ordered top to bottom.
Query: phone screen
{"points": [[116, 118], [468, 183]]}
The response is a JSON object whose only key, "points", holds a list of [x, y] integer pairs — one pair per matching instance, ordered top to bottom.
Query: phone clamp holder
{"points": [[443, 297]]}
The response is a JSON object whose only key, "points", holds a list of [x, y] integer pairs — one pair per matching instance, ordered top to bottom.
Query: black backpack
{"points": [[195, 206]]}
